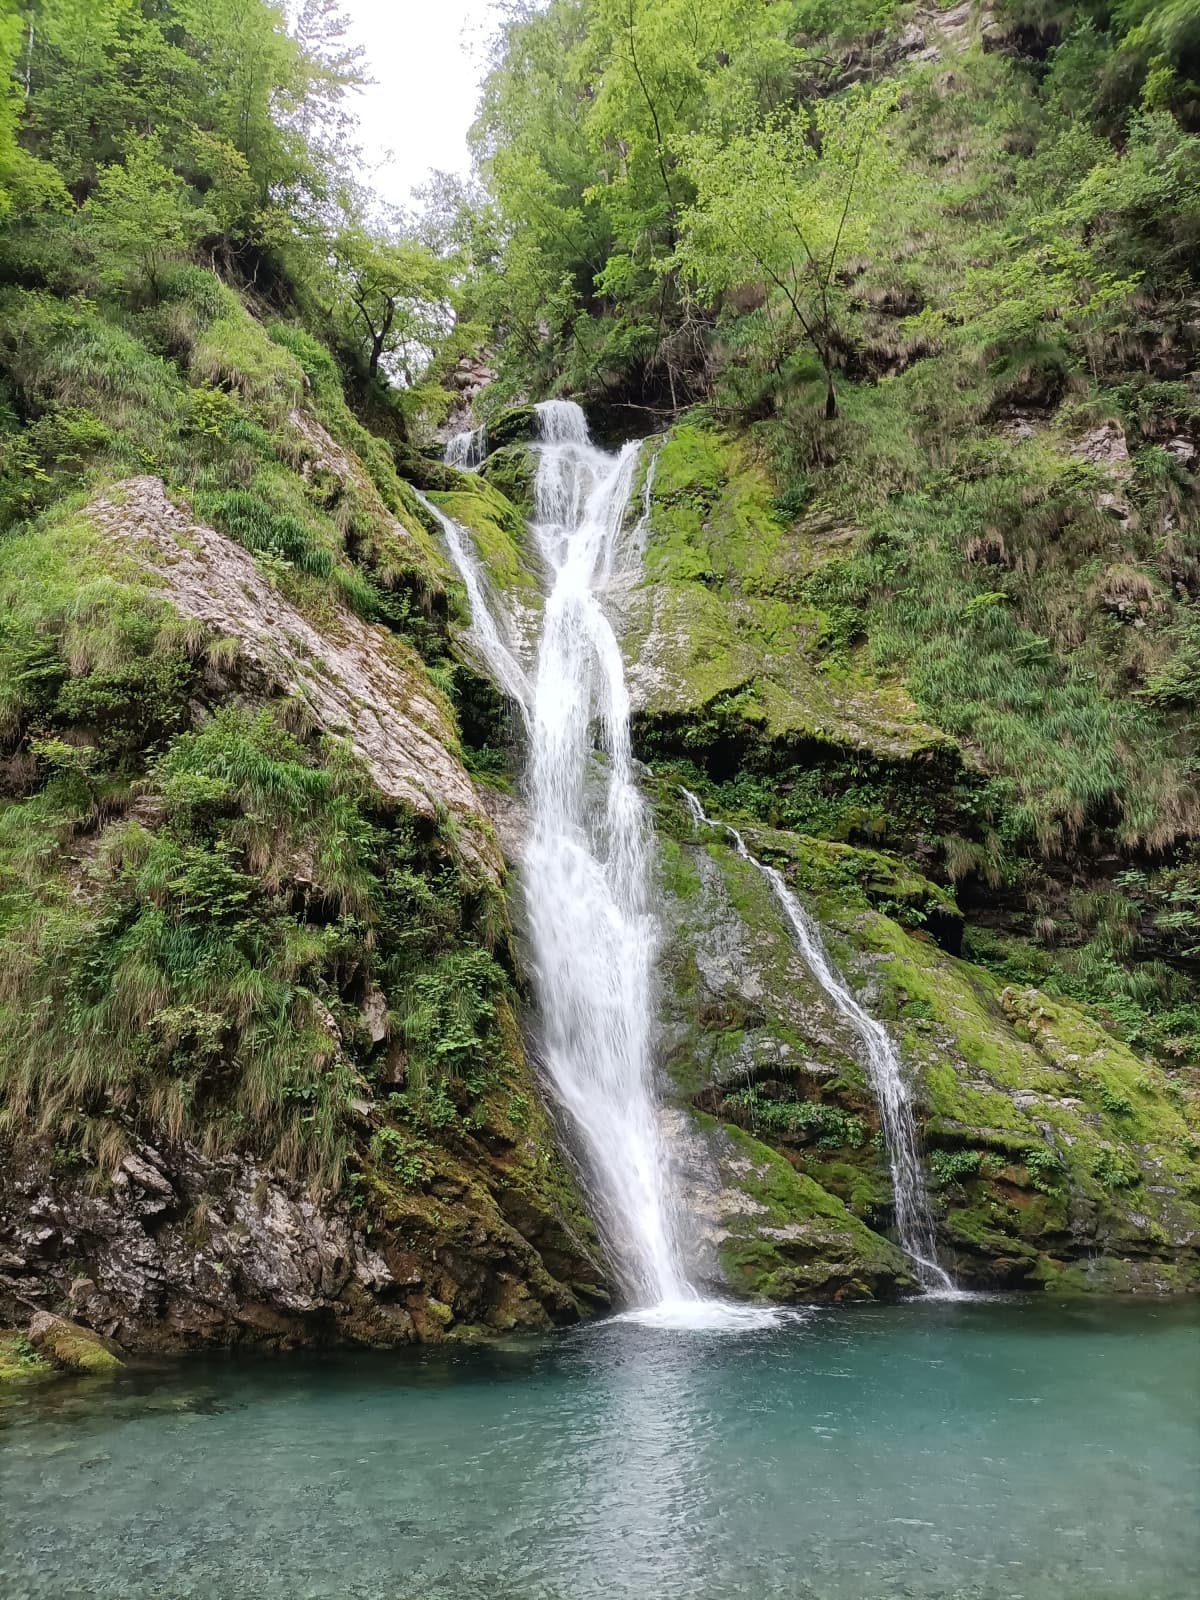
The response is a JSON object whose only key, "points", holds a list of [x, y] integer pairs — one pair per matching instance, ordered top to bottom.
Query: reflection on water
{"points": [[943, 1452]]}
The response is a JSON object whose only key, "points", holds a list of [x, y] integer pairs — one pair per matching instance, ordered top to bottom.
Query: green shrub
{"points": [[828, 1126], [952, 1166], [1044, 1168], [1116, 1170]]}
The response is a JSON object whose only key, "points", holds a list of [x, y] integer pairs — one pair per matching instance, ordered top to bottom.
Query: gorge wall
{"points": [[914, 608]]}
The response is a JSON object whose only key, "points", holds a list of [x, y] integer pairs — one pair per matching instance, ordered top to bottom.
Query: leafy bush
{"points": [[828, 1126], [952, 1166], [1044, 1168], [1116, 1170]]}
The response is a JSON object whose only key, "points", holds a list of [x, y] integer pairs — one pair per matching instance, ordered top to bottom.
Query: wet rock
{"points": [[238, 1252]]}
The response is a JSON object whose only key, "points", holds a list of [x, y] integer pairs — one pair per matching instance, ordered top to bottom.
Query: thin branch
{"points": [[658, 138]]}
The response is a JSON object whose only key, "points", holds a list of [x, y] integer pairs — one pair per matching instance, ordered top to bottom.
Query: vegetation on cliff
{"points": [[911, 292], [224, 933]]}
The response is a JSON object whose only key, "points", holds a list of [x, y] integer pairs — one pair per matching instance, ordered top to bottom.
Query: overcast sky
{"points": [[427, 57]]}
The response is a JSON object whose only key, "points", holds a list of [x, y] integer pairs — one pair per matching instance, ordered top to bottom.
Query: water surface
{"points": [[983, 1451]]}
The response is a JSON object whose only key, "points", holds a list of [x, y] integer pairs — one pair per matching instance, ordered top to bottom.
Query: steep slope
{"points": [[909, 293], [262, 1073]]}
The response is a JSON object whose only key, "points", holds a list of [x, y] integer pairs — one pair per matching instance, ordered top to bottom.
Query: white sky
{"points": [[427, 57]]}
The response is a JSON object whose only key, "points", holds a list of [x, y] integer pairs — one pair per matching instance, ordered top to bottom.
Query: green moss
{"points": [[511, 425], [512, 470], [499, 534], [723, 622], [826, 870], [1080, 1127], [865, 1190], [798, 1239], [77, 1349], [19, 1360]]}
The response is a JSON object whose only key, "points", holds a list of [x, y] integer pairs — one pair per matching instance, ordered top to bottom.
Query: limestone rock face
{"points": [[356, 680], [740, 1009], [1056, 1156], [184, 1251]]}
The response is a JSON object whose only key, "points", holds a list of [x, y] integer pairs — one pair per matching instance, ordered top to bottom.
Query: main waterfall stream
{"points": [[587, 865]]}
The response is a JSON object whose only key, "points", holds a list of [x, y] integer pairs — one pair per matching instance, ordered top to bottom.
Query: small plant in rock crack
{"points": [[1044, 1169]]}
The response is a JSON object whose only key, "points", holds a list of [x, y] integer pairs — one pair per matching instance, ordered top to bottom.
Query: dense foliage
{"points": [[939, 267], [933, 269], [198, 893]]}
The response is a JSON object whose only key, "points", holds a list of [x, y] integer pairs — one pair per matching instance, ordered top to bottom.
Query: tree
{"points": [[10, 40], [781, 205], [142, 216], [392, 300]]}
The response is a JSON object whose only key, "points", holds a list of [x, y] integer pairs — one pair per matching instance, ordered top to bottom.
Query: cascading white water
{"points": [[467, 450], [488, 633], [588, 864], [914, 1219]]}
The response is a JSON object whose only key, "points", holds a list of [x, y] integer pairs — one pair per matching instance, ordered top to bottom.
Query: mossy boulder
{"points": [[513, 425], [512, 470], [499, 534], [785, 1238], [71, 1347]]}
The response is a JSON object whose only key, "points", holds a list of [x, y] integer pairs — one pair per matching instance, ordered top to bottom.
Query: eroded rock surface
{"points": [[357, 681], [1056, 1156], [180, 1250]]}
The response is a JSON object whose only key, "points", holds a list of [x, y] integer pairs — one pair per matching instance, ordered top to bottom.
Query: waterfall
{"points": [[467, 450], [486, 630], [588, 861], [588, 864], [914, 1219]]}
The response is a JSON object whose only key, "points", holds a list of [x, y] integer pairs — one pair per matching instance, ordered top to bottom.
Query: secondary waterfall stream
{"points": [[588, 863], [914, 1218]]}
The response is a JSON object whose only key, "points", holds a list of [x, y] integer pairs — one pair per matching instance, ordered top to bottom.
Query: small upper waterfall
{"points": [[467, 450], [487, 630], [588, 864], [914, 1219]]}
